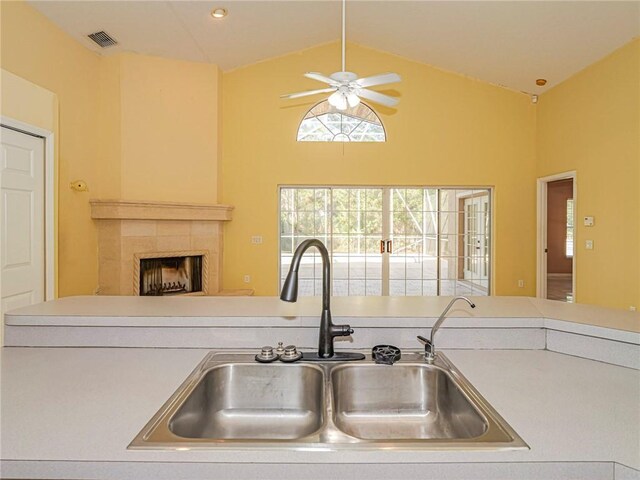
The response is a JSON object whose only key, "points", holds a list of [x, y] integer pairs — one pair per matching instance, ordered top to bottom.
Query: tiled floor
{"points": [[559, 287]]}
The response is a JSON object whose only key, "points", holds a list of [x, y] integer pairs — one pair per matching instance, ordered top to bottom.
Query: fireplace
{"points": [[129, 231], [171, 273]]}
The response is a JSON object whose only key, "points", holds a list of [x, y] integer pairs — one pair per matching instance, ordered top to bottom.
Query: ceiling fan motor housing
{"points": [[344, 77]]}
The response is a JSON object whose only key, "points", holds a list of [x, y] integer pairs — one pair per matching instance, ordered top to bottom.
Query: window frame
{"points": [[384, 130], [491, 220], [570, 226]]}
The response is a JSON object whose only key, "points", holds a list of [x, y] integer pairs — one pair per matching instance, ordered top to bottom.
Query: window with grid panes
{"points": [[325, 123], [389, 240]]}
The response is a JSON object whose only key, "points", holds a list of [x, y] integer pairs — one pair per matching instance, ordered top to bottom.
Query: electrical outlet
{"points": [[256, 239], [588, 244], [247, 279], [520, 283], [632, 308]]}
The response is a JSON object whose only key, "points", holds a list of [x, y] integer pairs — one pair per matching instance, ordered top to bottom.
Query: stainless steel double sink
{"points": [[229, 401]]}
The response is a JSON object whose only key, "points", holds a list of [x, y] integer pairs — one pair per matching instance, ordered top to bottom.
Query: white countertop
{"points": [[198, 311], [79, 405], [78, 408]]}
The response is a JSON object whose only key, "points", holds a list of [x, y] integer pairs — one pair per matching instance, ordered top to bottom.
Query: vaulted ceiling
{"points": [[509, 43]]}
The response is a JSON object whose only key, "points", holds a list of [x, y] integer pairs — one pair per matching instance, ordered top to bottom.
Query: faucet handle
{"points": [[341, 330], [429, 349]]}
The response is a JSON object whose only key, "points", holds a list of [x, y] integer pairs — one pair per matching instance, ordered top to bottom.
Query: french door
{"points": [[387, 240], [476, 244]]}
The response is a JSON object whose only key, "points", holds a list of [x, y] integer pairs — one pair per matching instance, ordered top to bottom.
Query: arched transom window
{"points": [[325, 123]]}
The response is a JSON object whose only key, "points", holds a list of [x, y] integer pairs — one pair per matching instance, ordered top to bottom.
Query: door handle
{"points": [[386, 246]]}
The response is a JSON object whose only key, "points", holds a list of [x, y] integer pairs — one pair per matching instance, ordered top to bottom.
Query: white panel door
{"points": [[22, 230]]}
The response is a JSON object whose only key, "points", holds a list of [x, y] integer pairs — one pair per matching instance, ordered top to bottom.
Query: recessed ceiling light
{"points": [[219, 12], [541, 82]]}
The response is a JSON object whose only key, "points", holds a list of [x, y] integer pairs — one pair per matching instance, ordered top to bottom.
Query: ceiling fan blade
{"points": [[321, 78], [381, 79], [309, 92], [378, 97]]}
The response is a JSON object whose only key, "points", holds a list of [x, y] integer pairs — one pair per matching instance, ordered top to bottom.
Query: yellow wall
{"points": [[36, 50], [27, 102], [591, 124], [109, 125], [131, 126], [139, 127], [169, 129], [448, 130]]}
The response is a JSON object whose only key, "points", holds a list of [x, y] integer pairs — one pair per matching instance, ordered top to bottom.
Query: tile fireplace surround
{"points": [[129, 230]]}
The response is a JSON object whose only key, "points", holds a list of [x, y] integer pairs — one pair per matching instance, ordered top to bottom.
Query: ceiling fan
{"points": [[347, 88]]}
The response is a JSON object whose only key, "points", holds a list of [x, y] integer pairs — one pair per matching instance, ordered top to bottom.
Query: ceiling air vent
{"points": [[103, 39]]}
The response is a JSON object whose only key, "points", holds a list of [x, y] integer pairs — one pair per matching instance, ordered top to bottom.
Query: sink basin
{"points": [[230, 401], [252, 401], [402, 402]]}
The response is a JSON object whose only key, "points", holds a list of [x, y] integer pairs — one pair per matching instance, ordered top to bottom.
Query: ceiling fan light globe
{"points": [[334, 99], [338, 100], [353, 100], [342, 104]]}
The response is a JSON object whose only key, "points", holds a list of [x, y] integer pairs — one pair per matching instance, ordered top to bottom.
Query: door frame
{"points": [[490, 189], [49, 197], [463, 212], [541, 243]]}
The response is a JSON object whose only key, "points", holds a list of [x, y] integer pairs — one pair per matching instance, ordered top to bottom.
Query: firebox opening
{"points": [[170, 275]]}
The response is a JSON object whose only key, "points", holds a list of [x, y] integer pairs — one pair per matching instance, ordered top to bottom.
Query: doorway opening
{"points": [[556, 237]]}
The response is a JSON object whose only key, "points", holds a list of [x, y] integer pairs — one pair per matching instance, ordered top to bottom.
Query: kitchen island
{"points": [[71, 412]]}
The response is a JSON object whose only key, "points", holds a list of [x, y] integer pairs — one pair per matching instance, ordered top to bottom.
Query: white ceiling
{"points": [[508, 43]]}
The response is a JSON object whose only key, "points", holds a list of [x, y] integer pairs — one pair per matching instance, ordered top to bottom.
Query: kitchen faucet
{"points": [[327, 329], [429, 346]]}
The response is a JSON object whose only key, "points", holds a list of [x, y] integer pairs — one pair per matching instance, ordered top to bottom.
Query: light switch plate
{"points": [[588, 244]]}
